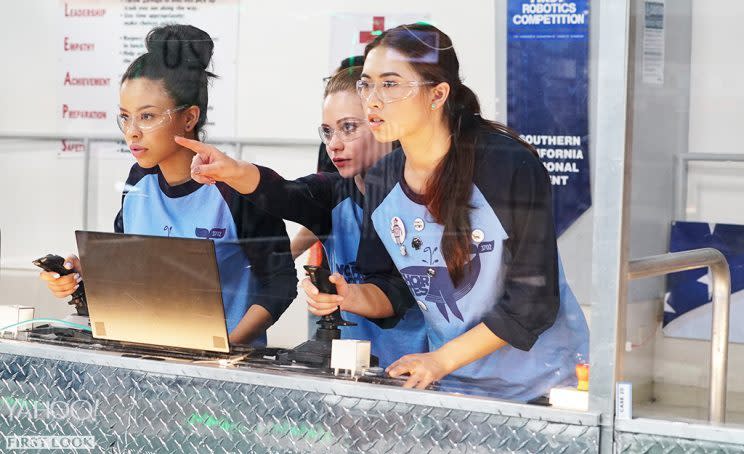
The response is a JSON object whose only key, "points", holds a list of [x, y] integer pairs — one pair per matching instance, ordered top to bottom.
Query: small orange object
{"points": [[316, 255], [582, 374]]}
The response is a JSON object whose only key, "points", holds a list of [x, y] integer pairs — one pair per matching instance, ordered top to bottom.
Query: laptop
{"points": [[153, 290]]}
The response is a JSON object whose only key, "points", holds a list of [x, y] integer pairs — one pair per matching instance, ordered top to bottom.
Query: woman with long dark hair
{"points": [[329, 205], [459, 222]]}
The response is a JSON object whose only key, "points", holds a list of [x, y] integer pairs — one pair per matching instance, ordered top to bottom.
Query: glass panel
{"points": [[685, 104], [460, 216]]}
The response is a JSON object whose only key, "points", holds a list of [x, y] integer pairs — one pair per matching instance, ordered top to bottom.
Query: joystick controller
{"points": [[55, 264], [319, 277], [317, 351]]}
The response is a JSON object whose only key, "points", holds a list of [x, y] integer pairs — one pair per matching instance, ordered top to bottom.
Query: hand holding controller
{"points": [[319, 277], [60, 281]]}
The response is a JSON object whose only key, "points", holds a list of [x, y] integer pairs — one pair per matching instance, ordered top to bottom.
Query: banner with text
{"points": [[100, 38], [548, 92]]}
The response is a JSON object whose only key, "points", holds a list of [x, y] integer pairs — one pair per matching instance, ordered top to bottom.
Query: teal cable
{"points": [[35, 320]]}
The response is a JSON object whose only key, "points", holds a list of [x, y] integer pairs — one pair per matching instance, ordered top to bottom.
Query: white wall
{"points": [[27, 32], [284, 57], [716, 85], [716, 111]]}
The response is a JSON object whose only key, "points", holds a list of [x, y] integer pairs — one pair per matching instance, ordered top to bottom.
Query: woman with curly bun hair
{"points": [[164, 94]]}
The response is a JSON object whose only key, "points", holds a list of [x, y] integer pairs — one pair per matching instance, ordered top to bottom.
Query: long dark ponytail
{"points": [[449, 189]]}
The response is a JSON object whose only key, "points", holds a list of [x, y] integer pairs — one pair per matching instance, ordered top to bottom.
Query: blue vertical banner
{"points": [[548, 94]]}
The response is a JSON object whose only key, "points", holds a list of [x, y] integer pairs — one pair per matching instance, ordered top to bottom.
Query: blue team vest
{"points": [[201, 214], [450, 311], [409, 335]]}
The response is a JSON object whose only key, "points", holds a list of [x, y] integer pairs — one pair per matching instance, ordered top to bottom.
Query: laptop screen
{"points": [[153, 290]]}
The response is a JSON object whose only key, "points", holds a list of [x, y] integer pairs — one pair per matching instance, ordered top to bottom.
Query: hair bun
{"points": [[181, 46]]}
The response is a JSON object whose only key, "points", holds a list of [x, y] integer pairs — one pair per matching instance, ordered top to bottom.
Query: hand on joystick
{"points": [[63, 277], [325, 295]]}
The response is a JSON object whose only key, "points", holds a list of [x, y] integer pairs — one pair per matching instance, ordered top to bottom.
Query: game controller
{"points": [[56, 264], [319, 277], [317, 351]]}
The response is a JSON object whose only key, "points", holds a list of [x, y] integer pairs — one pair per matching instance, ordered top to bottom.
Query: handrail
{"points": [[659, 265]]}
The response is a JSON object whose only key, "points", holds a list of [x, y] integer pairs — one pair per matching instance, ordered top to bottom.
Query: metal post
{"points": [[612, 40], [684, 168], [680, 189], [660, 265]]}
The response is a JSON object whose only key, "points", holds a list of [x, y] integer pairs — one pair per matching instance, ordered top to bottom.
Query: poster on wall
{"points": [[351, 32], [98, 39], [653, 42], [548, 93], [688, 305]]}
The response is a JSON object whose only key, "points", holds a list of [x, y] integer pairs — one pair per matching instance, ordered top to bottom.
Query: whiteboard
{"points": [[282, 53]]}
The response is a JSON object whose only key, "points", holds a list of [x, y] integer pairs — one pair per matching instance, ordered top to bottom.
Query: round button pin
{"points": [[418, 224], [478, 235]]}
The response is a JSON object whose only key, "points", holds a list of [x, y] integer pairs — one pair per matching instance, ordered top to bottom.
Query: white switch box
{"points": [[11, 315], [351, 355]]}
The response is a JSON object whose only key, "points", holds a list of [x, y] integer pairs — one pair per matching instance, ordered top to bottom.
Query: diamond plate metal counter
{"points": [[135, 411], [631, 443]]}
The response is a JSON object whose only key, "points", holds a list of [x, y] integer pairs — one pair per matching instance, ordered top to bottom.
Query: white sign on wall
{"points": [[351, 32], [100, 38], [653, 42]]}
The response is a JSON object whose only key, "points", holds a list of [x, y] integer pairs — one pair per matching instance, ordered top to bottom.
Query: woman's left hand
{"points": [[423, 369]]}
